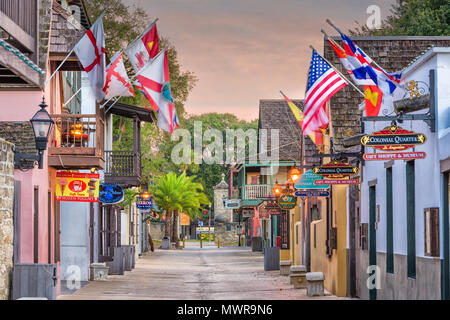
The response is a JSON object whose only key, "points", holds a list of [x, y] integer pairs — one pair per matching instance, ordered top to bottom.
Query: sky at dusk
{"points": [[246, 50]]}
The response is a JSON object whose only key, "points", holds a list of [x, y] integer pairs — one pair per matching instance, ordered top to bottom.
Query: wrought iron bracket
{"points": [[429, 118], [26, 161]]}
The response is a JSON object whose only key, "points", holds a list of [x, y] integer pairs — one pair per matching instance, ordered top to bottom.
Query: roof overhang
{"points": [[17, 74], [130, 111]]}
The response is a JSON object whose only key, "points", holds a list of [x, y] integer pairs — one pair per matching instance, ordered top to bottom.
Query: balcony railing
{"points": [[78, 134], [122, 163], [258, 191], [234, 193]]}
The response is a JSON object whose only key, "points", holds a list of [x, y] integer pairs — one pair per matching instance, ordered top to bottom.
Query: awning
{"points": [[130, 111]]}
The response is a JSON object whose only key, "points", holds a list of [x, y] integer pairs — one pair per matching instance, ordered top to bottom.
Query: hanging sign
{"points": [[393, 138], [394, 156], [336, 170], [307, 179], [333, 182], [79, 187], [110, 193], [312, 193], [287, 202], [232, 203], [142, 204], [271, 205], [248, 213], [184, 220]]}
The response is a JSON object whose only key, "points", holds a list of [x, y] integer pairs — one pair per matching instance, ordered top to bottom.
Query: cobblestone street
{"points": [[192, 273]]}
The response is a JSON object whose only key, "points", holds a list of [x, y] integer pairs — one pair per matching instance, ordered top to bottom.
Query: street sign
{"points": [[393, 138], [394, 156], [336, 170], [307, 179], [344, 181], [110, 193], [312, 193], [287, 202], [232, 203], [142, 204], [200, 223], [204, 230]]}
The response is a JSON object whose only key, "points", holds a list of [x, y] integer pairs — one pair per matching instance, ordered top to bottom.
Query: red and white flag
{"points": [[90, 50], [141, 51], [117, 79], [154, 82], [323, 83]]}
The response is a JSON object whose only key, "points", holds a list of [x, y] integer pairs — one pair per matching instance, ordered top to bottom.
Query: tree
{"points": [[413, 18], [175, 193]]}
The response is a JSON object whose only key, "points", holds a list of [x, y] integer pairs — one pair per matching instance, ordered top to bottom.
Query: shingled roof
{"points": [[62, 37], [393, 54], [276, 114]]}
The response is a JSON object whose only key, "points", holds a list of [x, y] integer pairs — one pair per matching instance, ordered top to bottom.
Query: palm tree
{"points": [[177, 193]]}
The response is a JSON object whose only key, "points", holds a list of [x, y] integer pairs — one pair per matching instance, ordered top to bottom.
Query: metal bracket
{"points": [[429, 118], [26, 161]]}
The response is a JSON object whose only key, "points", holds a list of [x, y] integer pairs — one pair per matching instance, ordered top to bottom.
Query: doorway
{"points": [[372, 236]]}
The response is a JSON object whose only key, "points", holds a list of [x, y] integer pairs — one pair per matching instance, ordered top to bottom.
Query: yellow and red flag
{"points": [[373, 98], [316, 136]]}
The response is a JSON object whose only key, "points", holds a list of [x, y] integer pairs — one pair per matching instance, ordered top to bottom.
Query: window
{"points": [[71, 85], [410, 219], [389, 223], [431, 226]]}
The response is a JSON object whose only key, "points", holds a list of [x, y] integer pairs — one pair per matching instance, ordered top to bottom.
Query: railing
{"points": [[23, 13], [77, 134], [122, 163], [258, 191], [234, 193]]}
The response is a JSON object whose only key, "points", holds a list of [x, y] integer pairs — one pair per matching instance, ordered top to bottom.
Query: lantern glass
{"points": [[42, 124], [294, 174]]}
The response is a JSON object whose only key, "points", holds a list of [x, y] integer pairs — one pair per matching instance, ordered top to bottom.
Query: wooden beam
{"points": [[26, 40], [13, 63]]}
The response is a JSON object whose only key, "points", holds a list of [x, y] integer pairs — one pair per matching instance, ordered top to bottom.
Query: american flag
{"points": [[323, 83]]}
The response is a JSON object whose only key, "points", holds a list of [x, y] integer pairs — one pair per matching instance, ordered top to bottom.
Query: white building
{"points": [[405, 204]]}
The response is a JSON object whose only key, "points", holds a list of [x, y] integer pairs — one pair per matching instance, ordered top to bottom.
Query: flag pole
{"points": [[67, 57], [373, 61], [340, 73], [129, 81]]}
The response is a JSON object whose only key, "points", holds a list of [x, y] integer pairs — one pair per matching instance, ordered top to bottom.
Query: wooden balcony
{"points": [[78, 142], [123, 168], [258, 192]]}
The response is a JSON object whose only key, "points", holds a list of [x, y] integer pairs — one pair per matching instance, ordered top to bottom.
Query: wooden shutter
{"points": [[431, 228]]}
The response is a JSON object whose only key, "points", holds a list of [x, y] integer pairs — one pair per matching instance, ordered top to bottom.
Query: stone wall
{"points": [[6, 216], [226, 233]]}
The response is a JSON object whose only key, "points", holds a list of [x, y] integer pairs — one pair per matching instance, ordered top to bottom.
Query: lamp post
{"points": [[42, 124]]}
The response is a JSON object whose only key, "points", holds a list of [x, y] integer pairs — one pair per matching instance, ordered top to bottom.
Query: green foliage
{"points": [[413, 18]]}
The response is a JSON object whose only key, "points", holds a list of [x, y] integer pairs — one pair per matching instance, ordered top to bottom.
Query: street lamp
{"points": [[42, 124], [294, 174], [277, 190], [145, 195]]}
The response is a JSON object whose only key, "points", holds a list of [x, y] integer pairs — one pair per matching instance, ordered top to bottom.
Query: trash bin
{"points": [[165, 243], [256, 244], [271, 258]]}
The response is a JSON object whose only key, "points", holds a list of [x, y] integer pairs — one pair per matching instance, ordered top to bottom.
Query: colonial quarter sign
{"points": [[393, 138], [336, 170]]}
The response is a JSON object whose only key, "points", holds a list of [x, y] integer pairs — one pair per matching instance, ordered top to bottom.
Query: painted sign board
{"points": [[393, 138], [394, 156], [336, 170], [307, 179], [343, 181], [77, 187], [110, 193], [312, 193], [287, 202], [232, 203], [142, 204], [271, 204], [184, 220], [204, 230]]}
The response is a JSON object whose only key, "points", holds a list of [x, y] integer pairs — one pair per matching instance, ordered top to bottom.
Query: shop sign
{"points": [[393, 138], [394, 156], [336, 170], [307, 179], [335, 182], [79, 187], [110, 193], [312, 193], [287, 202], [232, 203], [142, 204], [271, 205], [265, 212], [248, 213], [184, 220]]}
